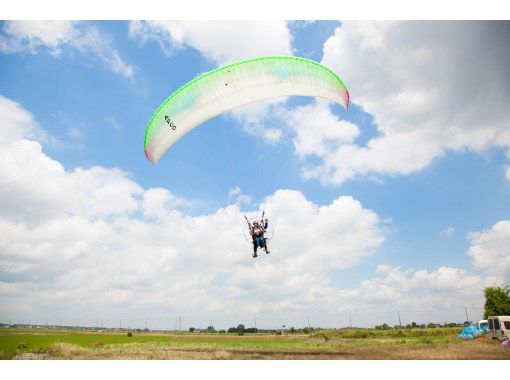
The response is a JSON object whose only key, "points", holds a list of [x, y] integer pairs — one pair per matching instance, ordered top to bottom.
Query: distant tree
{"points": [[497, 301], [414, 325], [431, 325], [240, 328], [192, 329], [210, 329], [232, 330], [250, 330], [292, 330], [306, 330], [222, 331]]}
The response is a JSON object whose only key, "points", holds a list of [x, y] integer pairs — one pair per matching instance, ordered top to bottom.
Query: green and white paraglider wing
{"points": [[234, 85]]}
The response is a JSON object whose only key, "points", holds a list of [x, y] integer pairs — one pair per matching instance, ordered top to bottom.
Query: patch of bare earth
{"points": [[31, 356]]}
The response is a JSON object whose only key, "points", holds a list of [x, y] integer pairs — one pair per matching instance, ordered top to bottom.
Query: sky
{"points": [[400, 203]]}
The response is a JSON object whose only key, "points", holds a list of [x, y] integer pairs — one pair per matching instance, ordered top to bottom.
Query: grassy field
{"points": [[436, 343]]}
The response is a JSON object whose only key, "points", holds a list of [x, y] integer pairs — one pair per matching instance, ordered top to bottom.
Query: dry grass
{"points": [[478, 349]]}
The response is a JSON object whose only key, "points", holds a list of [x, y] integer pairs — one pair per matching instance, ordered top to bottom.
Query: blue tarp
{"points": [[472, 331]]}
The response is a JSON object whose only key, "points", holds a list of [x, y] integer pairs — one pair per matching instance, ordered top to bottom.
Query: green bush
{"points": [[358, 333], [130, 334], [324, 335], [426, 340], [22, 345]]}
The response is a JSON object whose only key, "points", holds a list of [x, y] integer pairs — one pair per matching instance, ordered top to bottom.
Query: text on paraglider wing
{"points": [[170, 123]]}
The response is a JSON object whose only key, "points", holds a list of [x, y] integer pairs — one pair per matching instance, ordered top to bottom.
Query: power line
{"points": [[225, 134], [207, 153], [205, 179], [304, 320]]}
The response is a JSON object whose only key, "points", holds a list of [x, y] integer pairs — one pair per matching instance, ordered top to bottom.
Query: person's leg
{"points": [[254, 248]]}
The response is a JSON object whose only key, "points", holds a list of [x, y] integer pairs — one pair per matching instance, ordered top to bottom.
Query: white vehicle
{"points": [[499, 327]]}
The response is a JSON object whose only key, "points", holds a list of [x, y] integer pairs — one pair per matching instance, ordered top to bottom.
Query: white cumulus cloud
{"points": [[19, 36], [218, 41], [432, 87], [87, 241], [490, 250], [420, 295]]}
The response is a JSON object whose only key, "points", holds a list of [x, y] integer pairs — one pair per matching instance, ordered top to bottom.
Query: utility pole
{"points": [[467, 316], [350, 320], [399, 321], [78, 323], [97, 323], [60, 324], [120, 324], [255, 324], [180, 325], [145, 328], [309, 328]]}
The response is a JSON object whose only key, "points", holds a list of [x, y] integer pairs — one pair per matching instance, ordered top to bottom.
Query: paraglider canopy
{"points": [[234, 85]]}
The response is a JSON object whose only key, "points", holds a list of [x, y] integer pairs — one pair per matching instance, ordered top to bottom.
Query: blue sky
{"points": [[446, 168]]}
